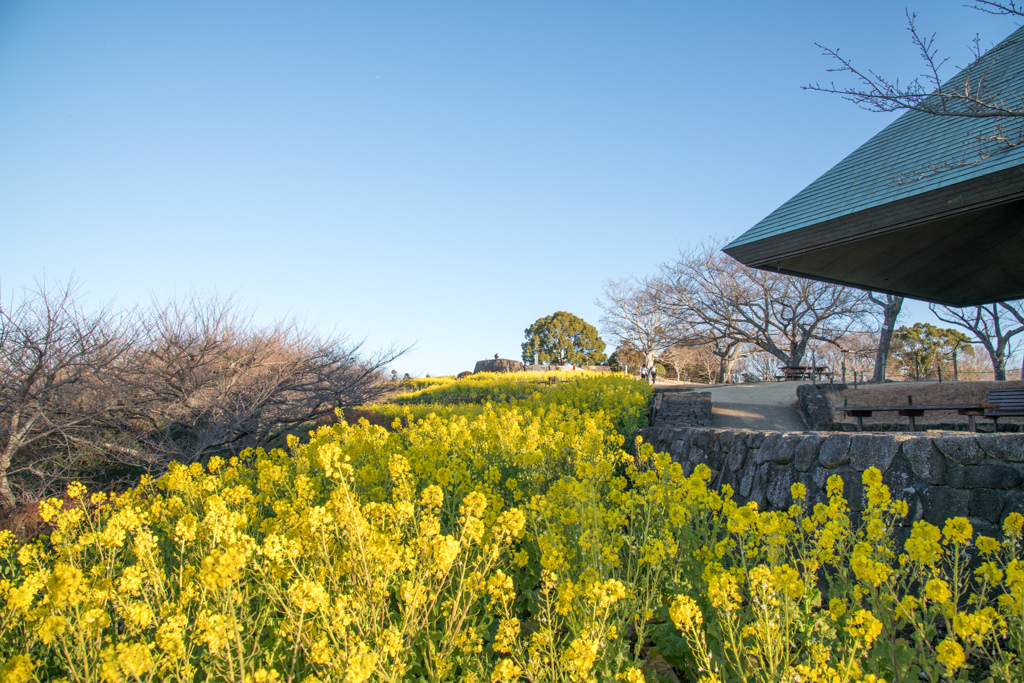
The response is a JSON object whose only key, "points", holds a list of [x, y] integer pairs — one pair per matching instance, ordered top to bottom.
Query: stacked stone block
{"points": [[940, 475]]}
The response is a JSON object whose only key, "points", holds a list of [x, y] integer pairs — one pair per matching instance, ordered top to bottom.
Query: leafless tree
{"points": [[969, 95], [720, 299], [891, 306], [635, 312], [993, 325], [856, 352], [693, 362], [61, 372], [211, 380], [83, 395]]}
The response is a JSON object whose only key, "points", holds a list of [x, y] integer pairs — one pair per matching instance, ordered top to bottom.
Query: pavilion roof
{"points": [[926, 195]]}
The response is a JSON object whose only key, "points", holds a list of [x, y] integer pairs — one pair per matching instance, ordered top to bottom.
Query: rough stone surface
{"points": [[498, 365], [813, 407], [683, 408], [1008, 447], [960, 449], [872, 450], [768, 452], [806, 452], [835, 452], [738, 455], [926, 460], [940, 476], [987, 476], [782, 478], [903, 483], [941, 503], [987, 504]]}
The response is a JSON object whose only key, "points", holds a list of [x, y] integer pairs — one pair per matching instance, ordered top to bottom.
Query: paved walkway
{"points": [[769, 406]]}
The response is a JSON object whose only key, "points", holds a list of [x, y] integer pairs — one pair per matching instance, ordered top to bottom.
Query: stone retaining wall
{"points": [[682, 409], [940, 475]]}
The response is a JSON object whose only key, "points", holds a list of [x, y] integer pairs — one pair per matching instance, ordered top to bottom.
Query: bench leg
{"points": [[860, 423], [970, 423], [913, 427]]}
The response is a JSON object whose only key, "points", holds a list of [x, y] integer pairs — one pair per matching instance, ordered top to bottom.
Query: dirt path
{"points": [[771, 405]]}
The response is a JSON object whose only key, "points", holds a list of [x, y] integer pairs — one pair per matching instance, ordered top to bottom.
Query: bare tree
{"points": [[971, 94], [721, 299], [891, 307], [635, 312], [993, 325], [693, 362], [61, 371], [212, 381], [90, 395]]}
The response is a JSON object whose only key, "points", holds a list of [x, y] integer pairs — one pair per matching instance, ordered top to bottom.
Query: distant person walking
{"points": [[643, 373], [654, 373]]}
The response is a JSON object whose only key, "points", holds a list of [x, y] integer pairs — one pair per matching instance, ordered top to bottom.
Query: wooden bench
{"points": [[797, 372], [1008, 403], [912, 411]]}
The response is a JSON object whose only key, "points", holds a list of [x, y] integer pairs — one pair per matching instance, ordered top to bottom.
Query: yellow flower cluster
{"points": [[499, 541]]}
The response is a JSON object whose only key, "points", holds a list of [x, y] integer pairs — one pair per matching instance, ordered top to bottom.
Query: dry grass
{"points": [[895, 393]]}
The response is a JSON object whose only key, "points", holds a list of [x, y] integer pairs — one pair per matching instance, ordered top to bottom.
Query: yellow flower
{"points": [[872, 477], [798, 491], [432, 496], [473, 505], [742, 518], [1012, 525], [957, 530], [987, 545], [923, 546], [989, 572], [66, 586], [500, 588], [937, 590], [308, 595], [138, 614], [686, 614], [865, 625], [508, 634], [170, 636], [950, 654], [579, 658], [360, 663], [18, 669], [506, 670], [631, 675]]}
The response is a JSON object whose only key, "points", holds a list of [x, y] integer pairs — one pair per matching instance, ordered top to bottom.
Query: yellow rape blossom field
{"points": [[503, 541]]}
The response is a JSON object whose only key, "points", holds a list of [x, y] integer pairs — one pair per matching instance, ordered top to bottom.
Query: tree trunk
{"points": [[891, 313], [999, 365], [725, 370], [6, 495]]}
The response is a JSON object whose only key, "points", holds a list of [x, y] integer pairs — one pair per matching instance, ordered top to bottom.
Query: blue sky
{"points": [[431, 173]]}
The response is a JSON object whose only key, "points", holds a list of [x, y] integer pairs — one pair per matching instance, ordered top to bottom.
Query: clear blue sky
{"points": [[430, 173]]}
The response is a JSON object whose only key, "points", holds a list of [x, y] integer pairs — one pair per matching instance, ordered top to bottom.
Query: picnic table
{"points": [[793, 372], [911, 411]]}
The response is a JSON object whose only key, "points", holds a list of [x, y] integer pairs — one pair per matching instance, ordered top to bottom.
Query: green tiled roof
{"points": [[895, 163]]}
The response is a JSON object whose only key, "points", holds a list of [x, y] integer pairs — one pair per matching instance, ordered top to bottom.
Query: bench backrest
{"points": [[1007, 399]]}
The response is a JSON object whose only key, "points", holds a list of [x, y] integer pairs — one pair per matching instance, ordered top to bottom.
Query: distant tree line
{"points": [[706, 317], [105, 396]]}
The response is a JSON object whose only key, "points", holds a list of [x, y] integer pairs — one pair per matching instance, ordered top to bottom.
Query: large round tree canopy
{"points": [[563, 339]]}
